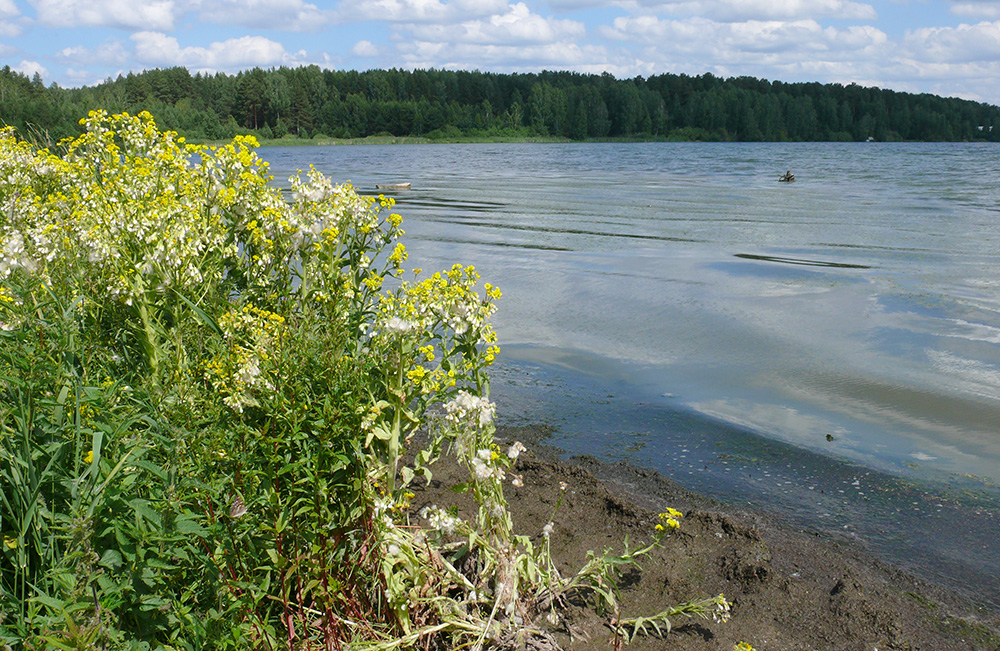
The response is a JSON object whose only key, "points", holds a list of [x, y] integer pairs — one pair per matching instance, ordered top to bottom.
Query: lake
{"points": [[827, 350]]}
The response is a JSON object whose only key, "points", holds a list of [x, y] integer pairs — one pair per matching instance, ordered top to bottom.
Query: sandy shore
{"points": [[790, 589]]}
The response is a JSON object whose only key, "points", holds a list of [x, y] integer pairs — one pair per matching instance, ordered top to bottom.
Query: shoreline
{"points": [[942, 529], [791, 588]]}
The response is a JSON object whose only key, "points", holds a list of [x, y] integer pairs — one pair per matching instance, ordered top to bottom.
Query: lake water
{"points": [[827, 350]]}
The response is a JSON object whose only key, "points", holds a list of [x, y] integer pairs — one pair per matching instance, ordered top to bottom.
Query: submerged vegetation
{"points": [[307, 103], [208, 396]]}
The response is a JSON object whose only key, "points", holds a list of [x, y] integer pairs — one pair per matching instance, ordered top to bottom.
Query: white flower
{"points": [[399, 326], [469, 407], [515, 450], [481, 470], [517, 481], [563, 486], [439, 519], [548, 529], [721, 614]]}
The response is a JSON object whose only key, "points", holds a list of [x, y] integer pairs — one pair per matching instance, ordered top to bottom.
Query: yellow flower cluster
{"points": [[134, 213], [444, 300], [243, 370], [669, 520]]}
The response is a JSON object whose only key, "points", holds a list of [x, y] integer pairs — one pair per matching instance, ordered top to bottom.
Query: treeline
{"points": [[309, 102]]}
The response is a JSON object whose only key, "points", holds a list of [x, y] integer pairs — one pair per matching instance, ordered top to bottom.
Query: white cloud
{"points": [[9, 10], [738, 10], [990, 10], [419, 11], [126, 14], [291, 15], [517, 26], [724, 42], [961, 44], [155, 49], [364, 49], [110, 52], [468, 56], [30, 68], [76, 78]]}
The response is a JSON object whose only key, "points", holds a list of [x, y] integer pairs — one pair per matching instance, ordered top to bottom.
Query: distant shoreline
{"points": [[543, 140]]}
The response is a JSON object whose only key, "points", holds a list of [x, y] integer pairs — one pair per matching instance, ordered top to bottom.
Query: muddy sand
{"points": [[790, 589]]}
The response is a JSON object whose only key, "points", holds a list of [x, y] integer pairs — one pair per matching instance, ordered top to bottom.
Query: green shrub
{"points": [[206, 391]]}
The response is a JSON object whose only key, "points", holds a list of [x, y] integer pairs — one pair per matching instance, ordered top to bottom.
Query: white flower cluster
{"points": [[322, 208], [139, 212], [14, 255], [397, 326], [251, 334], [469, 409], [483, 467], [440, 519], [721, 613]]}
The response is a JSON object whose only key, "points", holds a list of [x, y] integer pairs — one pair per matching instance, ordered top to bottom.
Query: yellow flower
{"points": [[89, 457], [668, 520], [743, 646]]}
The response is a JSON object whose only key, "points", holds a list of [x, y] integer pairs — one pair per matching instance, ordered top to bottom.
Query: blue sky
{"points": [[946, 47]]}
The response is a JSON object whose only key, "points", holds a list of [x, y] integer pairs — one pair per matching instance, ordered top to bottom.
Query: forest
{"points": [[313, 103]]}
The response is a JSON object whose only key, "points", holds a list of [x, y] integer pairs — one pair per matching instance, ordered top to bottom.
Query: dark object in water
{"points": [[787, 177]]}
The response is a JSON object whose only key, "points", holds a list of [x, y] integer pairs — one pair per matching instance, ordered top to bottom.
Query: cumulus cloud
{"points": [[739, 10], [990, 10], [419, 11], [157, 15], [290, 15], [517, 26], [729, 42], [962, 44], [156, 49], [364, 49], [110, 52], [467, 56], [31, 68]]}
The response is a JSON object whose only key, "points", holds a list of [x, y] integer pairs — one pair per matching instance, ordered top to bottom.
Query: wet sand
{"points": [[791, 589]]}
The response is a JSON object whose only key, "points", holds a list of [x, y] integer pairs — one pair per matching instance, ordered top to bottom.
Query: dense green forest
{"points": [[309, 102]]}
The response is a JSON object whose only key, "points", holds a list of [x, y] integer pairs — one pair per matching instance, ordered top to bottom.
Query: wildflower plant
{"points": [[207, 390]]}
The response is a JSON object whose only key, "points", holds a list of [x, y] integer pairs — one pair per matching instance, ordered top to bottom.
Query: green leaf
{"points": [[201, 314], [160, 473], [143, 508], [187, 524], [276, 558], [111, 559], [52, 603]]}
